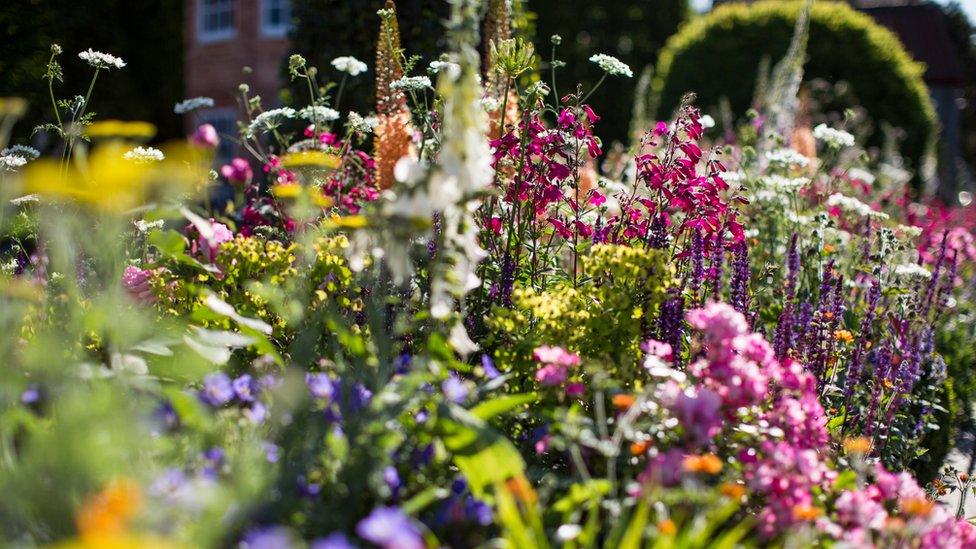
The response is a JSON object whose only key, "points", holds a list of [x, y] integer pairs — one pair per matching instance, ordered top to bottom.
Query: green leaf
{"points": [[169, 243], [498, 406], [483, 455]]}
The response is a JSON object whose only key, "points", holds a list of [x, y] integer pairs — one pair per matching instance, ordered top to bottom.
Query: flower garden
{"points": [[463, 320]]}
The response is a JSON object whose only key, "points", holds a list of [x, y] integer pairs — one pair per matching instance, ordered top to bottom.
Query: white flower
{"points": [[101, 60], [349, 65], [612, 65], [452, 69], [410, 83], [192, 104], [490, 104], [319, 114], [269, 120], [707, 121], [358, 123], [833, 137], [29, 153], [143, 155], [786, 158], [10, 162], [860, 175], [733, 177], [780, 184], [25, 199], [853, 205], [144, 226], [910, 231], [913, 270]]}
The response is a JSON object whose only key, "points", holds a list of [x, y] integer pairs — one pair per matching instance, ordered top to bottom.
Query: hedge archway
{"points": [[718, 55]]}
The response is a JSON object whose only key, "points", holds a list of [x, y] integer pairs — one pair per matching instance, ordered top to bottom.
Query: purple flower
{"points": [[741, 277], [488, 365], [320, 386], [244, 388], [217, 389], [454, 389], [31, 395], [256, 413], [272, 452], [213, 460], [392, 478], [390, 528], [272, 537], [336, 540]]}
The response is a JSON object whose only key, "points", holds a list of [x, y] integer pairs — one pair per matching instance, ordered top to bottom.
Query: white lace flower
{"points": [[101, 60], [349, 65], [612, 65], [452, 69], [411, 83], [193, 104], [318, 114], [269, 120], [361, 124], [833, 137], [29, 153], [144, 155], [785, 158], [10, 162], [780, 184], [853, 205], [144, 226], [913, 270]]}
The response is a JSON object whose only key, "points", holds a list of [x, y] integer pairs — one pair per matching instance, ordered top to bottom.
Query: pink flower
{"points": [[205, 137], [238, 171], [597, 199], [496, 225], [221, 234], [136, 282], [657, 348], [555, 355], [551, 375], [575, 389], [699, 410], [856, 509]]}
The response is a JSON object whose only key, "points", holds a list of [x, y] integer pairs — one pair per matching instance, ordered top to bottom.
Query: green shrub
{"points": [[718, 55]]}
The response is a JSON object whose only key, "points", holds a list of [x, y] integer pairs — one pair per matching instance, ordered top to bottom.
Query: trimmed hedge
{"points": [[719, 54]]}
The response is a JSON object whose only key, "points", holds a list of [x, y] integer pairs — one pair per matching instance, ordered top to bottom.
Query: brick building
{"points": [[221, 38]]}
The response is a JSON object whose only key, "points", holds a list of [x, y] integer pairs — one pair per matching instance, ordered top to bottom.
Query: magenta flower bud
{"points": [[205, 137], [238, 171]]}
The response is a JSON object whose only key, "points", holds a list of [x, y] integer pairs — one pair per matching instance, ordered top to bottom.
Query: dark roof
{"points": [[922, 29]]}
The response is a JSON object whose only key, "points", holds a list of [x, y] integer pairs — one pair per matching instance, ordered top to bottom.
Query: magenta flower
{"points": [[205, 137], [238, 171], [221, 234], [136, 282], [555, 355], [551, 375]]}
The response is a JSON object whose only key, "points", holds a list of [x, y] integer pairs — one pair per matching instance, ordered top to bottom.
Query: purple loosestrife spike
{"points": [[658, 238], [718, 262], [792, 268], [936, 271], [697, 273], [741, 277], [944, 293], [670, 324], [857, 358], [881, 360]]}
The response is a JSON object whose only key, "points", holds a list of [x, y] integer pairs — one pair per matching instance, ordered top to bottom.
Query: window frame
{"points": [[272, 30], [206, 36]]}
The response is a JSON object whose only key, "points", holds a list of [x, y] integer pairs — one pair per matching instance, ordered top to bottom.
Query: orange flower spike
{"points": [[623, 401]]}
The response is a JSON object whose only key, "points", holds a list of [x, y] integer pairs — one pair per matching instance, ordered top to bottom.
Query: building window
{"points": [[275, 17], [215, 20], [224, 120]]}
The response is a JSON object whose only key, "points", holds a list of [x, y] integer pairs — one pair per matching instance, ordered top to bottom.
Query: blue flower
{"points": [[488, 365], [320, 386], [244, 388], [217, 389], [454, 389], [390, 528]]}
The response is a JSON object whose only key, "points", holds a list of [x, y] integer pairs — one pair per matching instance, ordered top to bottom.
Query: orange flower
{"points": [[828, 249], [844, 336], [623, 401], [860, 445], [639, 448], [705, 463], [521, 488], [732, 490], [917, 506], [805, 512], [107, 513], [667, 527]]}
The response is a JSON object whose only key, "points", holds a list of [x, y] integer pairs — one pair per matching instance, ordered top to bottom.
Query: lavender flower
{"points": [[741, 276], [670, 325], [217, 389], [454, 389], [390, 528], [336, 540]]}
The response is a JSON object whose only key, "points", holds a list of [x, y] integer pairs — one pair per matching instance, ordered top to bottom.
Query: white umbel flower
{"points": [[101, 60], [349, 65], [612, 65], [452, 68], [411, 83], [193, 104], [318, 114], [268, 120], [361, 124], [833, 137], [29, 153], [144, 155], [785, 158], [10, 162], [855, 206], [913, 270]]}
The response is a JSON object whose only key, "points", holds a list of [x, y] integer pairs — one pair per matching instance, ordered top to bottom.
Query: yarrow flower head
{"points": [[101, 60], [349, 65], [612, 65], [452, 69], [411, 83], [193, 104], [318, 114], [271, 119], [361, 124], [833, 137], [29, 153], [144, 155], [785, 158], [10, 162], [853, 205], [913, 270]]}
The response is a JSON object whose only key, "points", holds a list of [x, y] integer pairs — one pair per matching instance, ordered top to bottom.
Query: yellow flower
{"points": [[13, 106], [121, 129], [310, 158], [349, 222], [844, 336]]}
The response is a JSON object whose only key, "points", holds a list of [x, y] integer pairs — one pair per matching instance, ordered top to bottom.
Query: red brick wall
{"points": [[214, 69]]}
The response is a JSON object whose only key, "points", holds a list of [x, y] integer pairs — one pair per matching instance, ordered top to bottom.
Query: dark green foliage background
{"points": [[632, 30], [719, 55], [146, 89]]}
